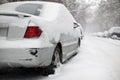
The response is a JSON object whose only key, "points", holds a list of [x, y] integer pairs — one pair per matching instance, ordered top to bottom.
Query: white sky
{"points": [[92, 1]]}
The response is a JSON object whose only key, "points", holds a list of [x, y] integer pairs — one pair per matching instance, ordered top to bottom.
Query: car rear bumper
{"points": [[19, 57]]}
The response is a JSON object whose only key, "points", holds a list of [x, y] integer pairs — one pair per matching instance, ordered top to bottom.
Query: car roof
{"points": [[35, 2], [13, 5], [114, 29]]}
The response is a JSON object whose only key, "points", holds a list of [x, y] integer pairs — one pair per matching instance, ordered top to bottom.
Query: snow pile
{"points": [[101, 34]]}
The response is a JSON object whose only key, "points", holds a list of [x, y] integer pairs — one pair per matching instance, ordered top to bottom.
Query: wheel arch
{"points": [[61, 52]]}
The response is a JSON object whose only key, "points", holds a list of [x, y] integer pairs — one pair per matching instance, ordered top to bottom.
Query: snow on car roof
{"points": [[35, 2], [13, 5], [49, 11], [114, 29]]}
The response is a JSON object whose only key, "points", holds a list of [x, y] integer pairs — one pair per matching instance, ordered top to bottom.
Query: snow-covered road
{"points": [[98, 59]]}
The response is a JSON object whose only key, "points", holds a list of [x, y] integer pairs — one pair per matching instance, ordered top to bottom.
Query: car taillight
{"points": [[33, 32]]}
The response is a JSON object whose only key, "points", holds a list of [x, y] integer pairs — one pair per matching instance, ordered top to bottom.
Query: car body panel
{"points": [[57, 25], [114, 31]]}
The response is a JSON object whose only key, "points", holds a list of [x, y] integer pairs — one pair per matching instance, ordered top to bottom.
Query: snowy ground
{"points": [[98, 59]]}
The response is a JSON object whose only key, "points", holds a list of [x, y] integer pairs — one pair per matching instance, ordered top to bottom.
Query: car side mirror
{"points": [[76, 25]]}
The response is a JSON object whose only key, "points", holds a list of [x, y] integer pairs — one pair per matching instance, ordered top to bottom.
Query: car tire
{"points": [[114, 36], [56, 59], [54, 64], [47, 71]]}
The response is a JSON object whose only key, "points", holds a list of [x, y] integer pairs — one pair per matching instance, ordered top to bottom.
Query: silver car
{"points": [[114, 32], [37, 35]]}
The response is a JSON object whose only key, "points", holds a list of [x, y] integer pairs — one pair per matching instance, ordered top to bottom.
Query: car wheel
{"points": [[113, 36], [56, 60], [54, 64], [47, 71]]}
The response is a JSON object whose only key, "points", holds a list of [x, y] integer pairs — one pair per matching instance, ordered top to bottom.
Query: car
{"points": [[114, 32], [36, 34]]}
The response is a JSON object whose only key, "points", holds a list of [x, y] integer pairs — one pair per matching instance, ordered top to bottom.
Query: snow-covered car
{"points": [[114, 32], [35, 34]]}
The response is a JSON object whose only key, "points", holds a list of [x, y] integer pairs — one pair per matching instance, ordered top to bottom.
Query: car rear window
{"points": [[34, 9]]}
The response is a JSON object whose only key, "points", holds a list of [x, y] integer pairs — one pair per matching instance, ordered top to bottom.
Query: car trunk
{"points": [[13, 27]]}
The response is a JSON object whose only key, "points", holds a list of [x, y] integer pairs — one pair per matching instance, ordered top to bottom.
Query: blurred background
{"points": [[93, 15]]}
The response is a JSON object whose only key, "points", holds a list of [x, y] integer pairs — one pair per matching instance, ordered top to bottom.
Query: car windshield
{"points": [[33, 9], [115, 29]]}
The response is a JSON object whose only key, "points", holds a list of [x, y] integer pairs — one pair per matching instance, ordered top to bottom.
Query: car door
{"points": [[74, 36], [70, 41]]}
